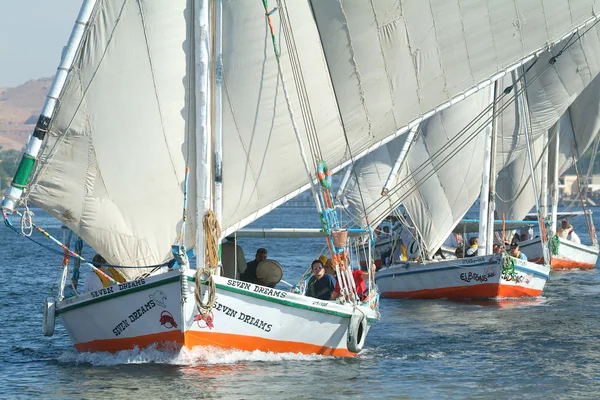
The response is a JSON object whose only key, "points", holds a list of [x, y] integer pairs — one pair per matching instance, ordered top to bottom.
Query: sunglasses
{"points": [[317, 267]]}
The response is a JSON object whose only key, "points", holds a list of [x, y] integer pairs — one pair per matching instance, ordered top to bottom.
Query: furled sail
{"points": [[356, 72]]}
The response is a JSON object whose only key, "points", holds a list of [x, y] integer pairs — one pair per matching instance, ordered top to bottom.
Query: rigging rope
{"points": [[589, 172], [204, 274]]}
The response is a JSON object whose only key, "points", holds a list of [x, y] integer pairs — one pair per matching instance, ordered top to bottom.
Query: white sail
{"points": [[392, 60], [356, 72], [580, 124], [113, 164], [438, 204]]}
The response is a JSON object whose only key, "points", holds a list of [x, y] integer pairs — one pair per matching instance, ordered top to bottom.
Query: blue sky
{"points": [[32, 35]]}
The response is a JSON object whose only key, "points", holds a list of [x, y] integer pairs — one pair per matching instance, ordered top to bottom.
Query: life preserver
{"points": [[324, 175], [49, 316], [357, 332]]}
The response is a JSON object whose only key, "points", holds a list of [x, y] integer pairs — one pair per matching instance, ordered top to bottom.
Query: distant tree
{"points": [[9, 161]]}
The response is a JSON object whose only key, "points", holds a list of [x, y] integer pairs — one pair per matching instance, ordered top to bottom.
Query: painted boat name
{"points": [[122, 286], [258, 289], [134, 316], [250, 320]]}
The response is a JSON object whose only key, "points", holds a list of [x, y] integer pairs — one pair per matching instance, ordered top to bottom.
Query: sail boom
{"points": [[281, 233]]}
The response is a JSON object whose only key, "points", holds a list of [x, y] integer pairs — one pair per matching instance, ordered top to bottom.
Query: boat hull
{"points": [[569, 255], [465, 278], [156, 312]]}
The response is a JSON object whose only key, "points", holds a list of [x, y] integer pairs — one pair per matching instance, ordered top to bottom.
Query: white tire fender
{"points": [[49, 316], [357, 332]]}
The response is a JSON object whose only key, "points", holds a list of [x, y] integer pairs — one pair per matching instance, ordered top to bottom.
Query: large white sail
{"points": [[356, 73], [578, 125], [114, 162], [437, 206]]}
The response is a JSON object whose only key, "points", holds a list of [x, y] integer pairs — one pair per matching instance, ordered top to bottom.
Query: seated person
{"points": [[565, 229], [526, 233], [574, 237], [473, 246], [496, 249], [516, 252], [458, 253], [328, 265], [249, 275], [96, 280], [359, 282], [320, 285]]}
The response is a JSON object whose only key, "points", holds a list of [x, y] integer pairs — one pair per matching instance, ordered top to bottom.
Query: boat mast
{"points": [[202, 90], [218, 115], [34, 144], [485, 180], [533, 180], [492, 185], [544, 195], [554, 216]]}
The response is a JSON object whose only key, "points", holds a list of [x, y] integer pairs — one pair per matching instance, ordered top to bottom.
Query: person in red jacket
{"points": [[359, 282]]}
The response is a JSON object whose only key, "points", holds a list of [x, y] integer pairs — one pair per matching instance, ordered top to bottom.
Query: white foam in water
{"points": [[194, 357]]}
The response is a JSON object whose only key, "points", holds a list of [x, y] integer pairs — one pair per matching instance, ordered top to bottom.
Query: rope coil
{"points": [[204, 274]]}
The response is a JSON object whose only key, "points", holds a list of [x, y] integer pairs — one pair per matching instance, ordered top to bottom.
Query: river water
{"points": [[547, 348]]}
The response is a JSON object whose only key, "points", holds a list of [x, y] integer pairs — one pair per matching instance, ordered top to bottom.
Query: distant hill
{"points": [[19, 110]]}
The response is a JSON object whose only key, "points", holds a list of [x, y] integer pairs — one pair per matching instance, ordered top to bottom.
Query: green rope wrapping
{"points": [[554, 245], [508, 268]]}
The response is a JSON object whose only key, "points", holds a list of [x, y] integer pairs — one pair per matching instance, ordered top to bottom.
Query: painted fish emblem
{"points": [[159, 298], [167, 320]]}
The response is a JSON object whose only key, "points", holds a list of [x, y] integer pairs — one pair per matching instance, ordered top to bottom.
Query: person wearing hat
{"points": [[516, 252], [328, 265]]}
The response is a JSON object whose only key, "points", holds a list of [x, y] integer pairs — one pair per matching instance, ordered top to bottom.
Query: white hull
{"points": [[569, 255], [465, 278], [245, 316]]}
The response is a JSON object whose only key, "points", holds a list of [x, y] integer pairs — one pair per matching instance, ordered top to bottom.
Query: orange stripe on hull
{"points": [[569, 264], [486, 290], [174, 340], [164, 341], [251, 343]]}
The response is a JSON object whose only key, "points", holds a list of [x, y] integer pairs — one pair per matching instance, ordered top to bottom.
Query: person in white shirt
{"points": [[565, 229], [574, 237]]}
